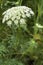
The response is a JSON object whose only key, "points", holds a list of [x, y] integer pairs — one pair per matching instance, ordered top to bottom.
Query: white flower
{"points": [[31, 12], [16, 13], [28, 15], [18, 17], [13, 18], [22, 21], [16, 22], [9, 23], [39, 25]]}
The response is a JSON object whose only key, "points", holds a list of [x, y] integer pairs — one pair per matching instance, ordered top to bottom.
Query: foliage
{"points": [[20, 46]]}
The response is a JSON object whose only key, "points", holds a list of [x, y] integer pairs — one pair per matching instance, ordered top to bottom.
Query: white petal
{"points": [[31, 12], [28, 14], [18, 17], [13, 18], [22, 21], [16, 22], [9, 23], [39, 26]]}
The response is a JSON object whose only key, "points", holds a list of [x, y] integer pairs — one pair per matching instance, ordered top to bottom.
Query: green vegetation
{"points": [[22, 45]]}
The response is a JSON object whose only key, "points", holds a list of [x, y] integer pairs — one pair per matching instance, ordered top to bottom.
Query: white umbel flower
{"points": [[17, 15], [39, 25]]}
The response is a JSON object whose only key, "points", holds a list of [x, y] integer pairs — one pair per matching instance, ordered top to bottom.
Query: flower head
{"points": [[17, 15]]}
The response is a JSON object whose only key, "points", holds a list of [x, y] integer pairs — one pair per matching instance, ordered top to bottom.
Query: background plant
{"points": [[32, 45]]}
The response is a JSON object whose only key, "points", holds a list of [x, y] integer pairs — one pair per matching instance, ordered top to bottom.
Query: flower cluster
{"points": [[17, 15]]}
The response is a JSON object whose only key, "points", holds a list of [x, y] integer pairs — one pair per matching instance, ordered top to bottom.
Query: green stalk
{"points": [[20, 2]]}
